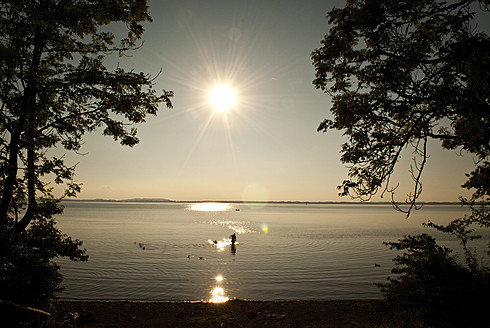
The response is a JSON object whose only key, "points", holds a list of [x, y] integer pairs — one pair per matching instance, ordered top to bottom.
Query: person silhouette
{"points": [[233, 239]]}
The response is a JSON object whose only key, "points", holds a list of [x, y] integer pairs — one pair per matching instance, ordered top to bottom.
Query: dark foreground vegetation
{"points": [[55, 87]]}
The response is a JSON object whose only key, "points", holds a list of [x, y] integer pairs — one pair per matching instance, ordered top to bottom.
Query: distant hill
{"points": [[131, 200], [146, 200]]}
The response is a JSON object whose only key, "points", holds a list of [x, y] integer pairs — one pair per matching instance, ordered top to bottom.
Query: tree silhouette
{"points": [[401, 73], [54, 88]]}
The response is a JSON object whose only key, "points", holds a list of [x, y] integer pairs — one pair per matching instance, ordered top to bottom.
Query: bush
{"points": [[28, 273], [434, 289]]}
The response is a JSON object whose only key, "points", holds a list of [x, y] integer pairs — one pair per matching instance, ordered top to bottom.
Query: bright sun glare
{"points": [[222, 97]]}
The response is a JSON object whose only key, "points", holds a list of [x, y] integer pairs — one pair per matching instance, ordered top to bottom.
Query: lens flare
{"points": [[255, 196], [265, 227], [219, 278]]}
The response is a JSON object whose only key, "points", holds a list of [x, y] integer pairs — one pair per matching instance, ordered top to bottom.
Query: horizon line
{"points": [[165, 200]]}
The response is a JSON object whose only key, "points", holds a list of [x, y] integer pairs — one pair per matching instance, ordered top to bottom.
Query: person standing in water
{"points": [[233, 248]]}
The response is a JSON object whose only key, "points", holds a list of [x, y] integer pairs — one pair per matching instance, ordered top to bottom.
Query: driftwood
{"points": [[23, 307], [27, 308]]}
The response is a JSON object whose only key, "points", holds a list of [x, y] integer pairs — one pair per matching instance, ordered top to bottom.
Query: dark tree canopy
{"points": [[402, 72], [54, 88]]}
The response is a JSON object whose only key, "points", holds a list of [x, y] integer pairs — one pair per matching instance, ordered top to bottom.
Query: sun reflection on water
{"points": [[209, 207], [240, 227], [221, 244], [218, 293], [218, 296]]}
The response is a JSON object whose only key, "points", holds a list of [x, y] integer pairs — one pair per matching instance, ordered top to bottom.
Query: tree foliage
{"points": [[401, 73], [55, 86]]}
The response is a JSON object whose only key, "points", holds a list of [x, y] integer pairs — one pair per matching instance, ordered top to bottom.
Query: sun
{"points": [[222, 98]]}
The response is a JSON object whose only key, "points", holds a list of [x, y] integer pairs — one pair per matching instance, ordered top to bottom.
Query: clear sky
{"points": [[265, 147]]}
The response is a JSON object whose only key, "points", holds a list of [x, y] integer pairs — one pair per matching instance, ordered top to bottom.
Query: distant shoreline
{"points": [[163, 200]]}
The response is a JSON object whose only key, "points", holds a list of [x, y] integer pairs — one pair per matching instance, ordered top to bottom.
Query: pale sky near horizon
{"points": [[263, 148]]}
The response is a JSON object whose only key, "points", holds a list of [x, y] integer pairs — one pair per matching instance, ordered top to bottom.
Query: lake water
{"points": [[283, 251]]}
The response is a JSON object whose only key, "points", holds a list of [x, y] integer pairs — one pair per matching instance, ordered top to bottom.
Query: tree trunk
{"points": [[27, 106], [31, 173], [8, 185], [31, 190]]}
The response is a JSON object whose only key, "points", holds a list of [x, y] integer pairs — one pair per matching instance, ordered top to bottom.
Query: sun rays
{"points": [[223, 91], [219, 100]]}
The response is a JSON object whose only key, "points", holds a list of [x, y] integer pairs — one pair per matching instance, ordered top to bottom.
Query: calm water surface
{"points": [[283, 251]]}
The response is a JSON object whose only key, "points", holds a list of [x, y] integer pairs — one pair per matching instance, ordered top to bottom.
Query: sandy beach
{"points": [[234, 313]]}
